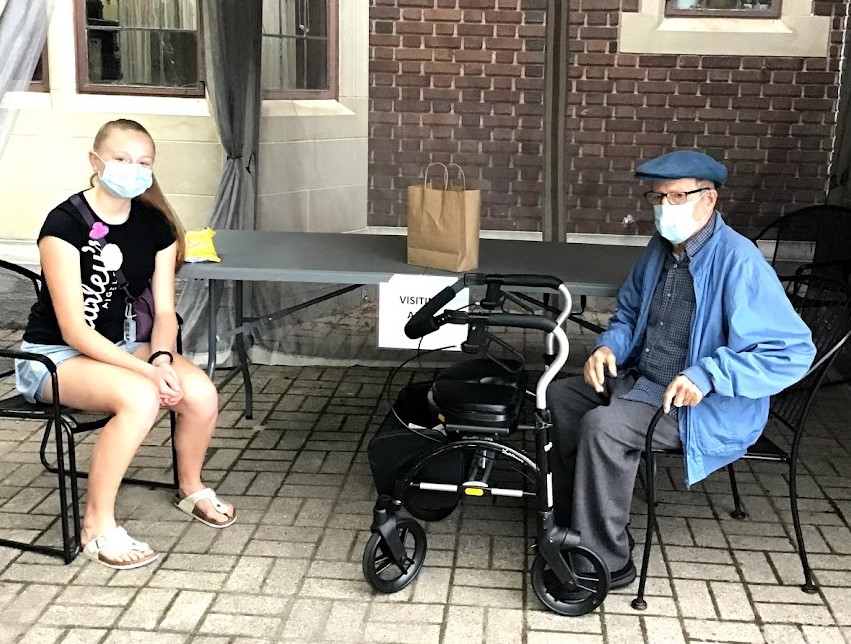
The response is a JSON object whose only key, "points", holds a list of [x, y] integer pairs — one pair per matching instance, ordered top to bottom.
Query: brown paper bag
{"points": [[443, 224]]}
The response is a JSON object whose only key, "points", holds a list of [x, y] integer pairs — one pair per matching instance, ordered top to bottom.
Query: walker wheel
{"points": [[381, 571], [574, 600]]}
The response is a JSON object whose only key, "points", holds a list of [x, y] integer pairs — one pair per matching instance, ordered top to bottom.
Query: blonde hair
{"points": [[153, 196]]}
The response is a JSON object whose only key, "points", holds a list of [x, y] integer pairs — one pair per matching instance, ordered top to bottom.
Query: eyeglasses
{"points": [[674, 198]]}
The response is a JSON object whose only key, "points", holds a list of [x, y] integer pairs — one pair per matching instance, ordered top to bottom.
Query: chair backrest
{"points": [[827, 226], [15, 270], [18, 273], [825, 306]]}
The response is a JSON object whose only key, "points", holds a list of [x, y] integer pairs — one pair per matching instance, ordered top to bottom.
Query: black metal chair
{"points": [[827, 227], [825, 305], [62, 424]]}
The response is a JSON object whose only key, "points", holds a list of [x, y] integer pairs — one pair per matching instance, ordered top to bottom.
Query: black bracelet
{"points": [[157, 354]]}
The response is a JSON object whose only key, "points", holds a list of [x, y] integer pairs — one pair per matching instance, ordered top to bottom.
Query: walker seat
{"points": [[480, 396]]}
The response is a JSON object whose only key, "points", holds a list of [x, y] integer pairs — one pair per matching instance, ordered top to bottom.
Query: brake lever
{"points": [[494, 297], [476, 334]]}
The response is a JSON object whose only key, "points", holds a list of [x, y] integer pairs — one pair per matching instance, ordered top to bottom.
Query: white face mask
{"points": [[125, 180], [676, 223]]}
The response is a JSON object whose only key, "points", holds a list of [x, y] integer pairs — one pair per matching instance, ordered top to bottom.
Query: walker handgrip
{"points": [[532, 281], [518, 321], [423, 322]]}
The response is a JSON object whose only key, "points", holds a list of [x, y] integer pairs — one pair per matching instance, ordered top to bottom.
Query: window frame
{"points": [[332, 8], [774, 13], [798, 32], [42, 85], [85, 86]]}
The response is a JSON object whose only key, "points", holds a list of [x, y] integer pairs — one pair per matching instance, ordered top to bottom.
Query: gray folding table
{"points": [[357, 259]]}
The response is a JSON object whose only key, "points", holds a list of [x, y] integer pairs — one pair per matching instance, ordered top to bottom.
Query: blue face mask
{"points": [[125, 180], [676, 223]]}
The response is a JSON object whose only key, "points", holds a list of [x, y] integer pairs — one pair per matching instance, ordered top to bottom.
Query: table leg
{"points": [[214, 298], [243, 355]]}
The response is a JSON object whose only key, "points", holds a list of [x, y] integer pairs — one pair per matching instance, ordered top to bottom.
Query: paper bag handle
{"points": [[445, 174], [463, 176]]}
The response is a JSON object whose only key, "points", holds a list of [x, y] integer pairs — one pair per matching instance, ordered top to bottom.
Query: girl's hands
{"points": [[168, 384]]}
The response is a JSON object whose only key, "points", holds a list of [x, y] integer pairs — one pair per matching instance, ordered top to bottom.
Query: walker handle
{"points": [[515, 279], [512, 320], [423, 321]]}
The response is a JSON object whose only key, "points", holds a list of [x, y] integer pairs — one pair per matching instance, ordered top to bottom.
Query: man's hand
{"points": [[595, 368], [682, 392]]}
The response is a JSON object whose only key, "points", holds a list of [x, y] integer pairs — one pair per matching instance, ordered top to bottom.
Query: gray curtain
{"points": [[23, 31], [233, 42]]}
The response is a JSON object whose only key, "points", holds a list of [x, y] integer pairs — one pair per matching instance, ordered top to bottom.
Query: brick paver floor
{"points": [[289, 569]]}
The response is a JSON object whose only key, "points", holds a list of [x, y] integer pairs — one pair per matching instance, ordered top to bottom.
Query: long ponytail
{"points": [[153, 196]]}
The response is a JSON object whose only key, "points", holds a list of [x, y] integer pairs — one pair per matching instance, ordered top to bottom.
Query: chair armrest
{"points": [[27, 355], [47, 362]]}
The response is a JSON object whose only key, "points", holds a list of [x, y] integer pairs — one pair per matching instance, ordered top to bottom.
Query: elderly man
{"points": [[702, 328]]}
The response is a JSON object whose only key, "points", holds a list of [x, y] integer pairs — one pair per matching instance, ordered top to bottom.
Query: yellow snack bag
{"points": [[199, 245]]}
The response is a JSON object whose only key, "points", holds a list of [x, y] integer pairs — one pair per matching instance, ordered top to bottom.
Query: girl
{"points": [[82, 322]]}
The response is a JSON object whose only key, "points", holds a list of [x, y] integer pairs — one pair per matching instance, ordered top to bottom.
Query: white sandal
{"points": [[188, 504], [117, 541]]}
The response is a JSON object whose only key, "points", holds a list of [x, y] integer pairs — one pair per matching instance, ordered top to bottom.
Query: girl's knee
{"points": [[200, 395], [142, 402]]}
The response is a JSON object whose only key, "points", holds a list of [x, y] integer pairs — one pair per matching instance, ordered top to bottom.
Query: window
{"points": [[724, 8], [796, 31], [139, 47], [299, 49], [39, 80]]}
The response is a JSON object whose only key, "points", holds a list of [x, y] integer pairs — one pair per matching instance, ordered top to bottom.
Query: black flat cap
{"points": [[683, 164]]}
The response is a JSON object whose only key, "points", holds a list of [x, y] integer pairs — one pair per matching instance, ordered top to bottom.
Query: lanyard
{"points": [[129, 322]]}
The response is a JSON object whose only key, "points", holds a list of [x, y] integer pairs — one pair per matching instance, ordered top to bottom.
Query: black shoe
{"points": [[626, 575]]}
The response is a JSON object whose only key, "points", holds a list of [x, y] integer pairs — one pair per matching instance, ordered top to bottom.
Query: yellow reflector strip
{"points": [[474, 491]]}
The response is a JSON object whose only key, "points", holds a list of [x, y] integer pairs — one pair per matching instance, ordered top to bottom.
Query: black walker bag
{"points": [[395, 448]]}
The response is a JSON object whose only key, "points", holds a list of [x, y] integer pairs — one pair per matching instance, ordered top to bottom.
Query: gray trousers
{"points": [[598, 440]]}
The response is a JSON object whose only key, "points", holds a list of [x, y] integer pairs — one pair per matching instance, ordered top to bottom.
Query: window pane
{"points": [[709, 6], [140, 42], [295, 45], [38, 74]]}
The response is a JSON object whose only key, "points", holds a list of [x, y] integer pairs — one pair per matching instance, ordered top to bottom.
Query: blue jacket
{"points": [[747, 343]]}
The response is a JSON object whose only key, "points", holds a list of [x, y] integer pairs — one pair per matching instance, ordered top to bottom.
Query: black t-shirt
{"points": [[138, 240]]}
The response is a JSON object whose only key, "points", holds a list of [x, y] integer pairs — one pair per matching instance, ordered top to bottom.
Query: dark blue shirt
{"points": [[669, 321]]}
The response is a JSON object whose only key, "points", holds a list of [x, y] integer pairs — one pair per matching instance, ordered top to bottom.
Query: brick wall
{"points": [[458, 80], [462, 80]]}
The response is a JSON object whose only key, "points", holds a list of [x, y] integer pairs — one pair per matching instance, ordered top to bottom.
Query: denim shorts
{"points": [[31, 375]]}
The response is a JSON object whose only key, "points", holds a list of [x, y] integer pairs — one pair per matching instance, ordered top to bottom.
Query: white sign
{"points": [[404, 295]]}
